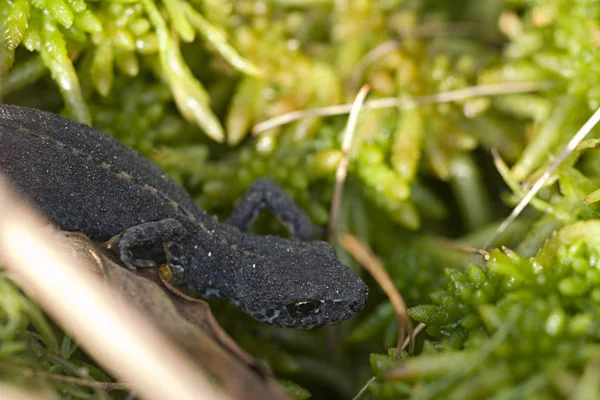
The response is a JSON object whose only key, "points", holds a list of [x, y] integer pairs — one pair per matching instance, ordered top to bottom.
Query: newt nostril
{"points": [[357, 306]]}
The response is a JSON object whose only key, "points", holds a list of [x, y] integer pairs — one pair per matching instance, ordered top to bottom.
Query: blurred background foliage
{"points": [[184, 83]]}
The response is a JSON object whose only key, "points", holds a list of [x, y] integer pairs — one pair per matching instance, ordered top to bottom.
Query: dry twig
{"points": [[420, 31], [369, 58], [389, 102], [570, 147], [342, 169], [466, 249], [369, 261], [415, 332], [407, 341], [73, 380]]}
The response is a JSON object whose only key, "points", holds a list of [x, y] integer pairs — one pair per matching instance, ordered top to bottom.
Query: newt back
{"points": [[83, 180]]}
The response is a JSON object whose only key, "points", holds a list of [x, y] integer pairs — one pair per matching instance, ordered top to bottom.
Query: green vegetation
{"points": [[184, 83]]}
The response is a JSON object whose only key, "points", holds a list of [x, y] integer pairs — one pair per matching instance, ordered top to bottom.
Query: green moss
{"points": [[184, 82], [544, 301]]}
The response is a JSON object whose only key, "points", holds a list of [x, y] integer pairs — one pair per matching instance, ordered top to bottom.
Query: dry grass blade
{"points": [[459, 28], [420, 31], [373, 55], [388, 102], [571, 146], [342, 169], [518, 189], [466, 249], [369, 261], [109, 329], [415, 332], [408, 340], [73, 380], [361, 393]]}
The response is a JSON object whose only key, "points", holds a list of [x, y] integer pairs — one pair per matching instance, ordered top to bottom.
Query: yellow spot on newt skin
{"points": [[125, 175], [150, 188], [174, 204], [165, 272]]}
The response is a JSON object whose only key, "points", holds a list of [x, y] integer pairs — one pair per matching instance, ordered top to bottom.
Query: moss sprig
{"points": [[157, 74], [548, 302]]}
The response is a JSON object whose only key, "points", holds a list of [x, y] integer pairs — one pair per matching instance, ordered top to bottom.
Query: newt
{"points": [[85, 181]]}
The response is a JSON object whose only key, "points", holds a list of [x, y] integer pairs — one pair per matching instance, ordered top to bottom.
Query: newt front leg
{"points": [[265, 193], [144, 244]]}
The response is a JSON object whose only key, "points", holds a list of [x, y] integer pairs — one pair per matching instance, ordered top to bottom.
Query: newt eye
{"points": [[301, 308]]}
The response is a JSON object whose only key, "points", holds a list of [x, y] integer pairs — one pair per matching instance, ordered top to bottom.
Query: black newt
{"points": [[85, 181]]}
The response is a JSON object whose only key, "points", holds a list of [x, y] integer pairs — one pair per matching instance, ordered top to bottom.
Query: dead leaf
{"points": [[198, 312], [187, 321]]}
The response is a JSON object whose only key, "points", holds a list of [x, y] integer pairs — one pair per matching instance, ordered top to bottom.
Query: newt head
{"points": [[296, 284]]}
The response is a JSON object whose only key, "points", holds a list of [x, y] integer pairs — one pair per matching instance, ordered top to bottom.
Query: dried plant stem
{"points": [[420, 31], [373, 55], [388, 102], [571, 146], [342, 169], [465, 249], [369, 261], [415, 332], [407, 341], [63, 378], [364, 389]]}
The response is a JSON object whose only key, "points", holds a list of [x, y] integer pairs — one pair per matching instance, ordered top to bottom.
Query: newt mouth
{"points": [[330, 313]]}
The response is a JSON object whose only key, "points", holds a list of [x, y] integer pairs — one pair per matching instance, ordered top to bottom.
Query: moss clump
{"points": [[184, 82], [524, 327], [33, 350]]}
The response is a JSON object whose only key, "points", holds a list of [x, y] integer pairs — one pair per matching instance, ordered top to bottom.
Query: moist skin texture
{"points": [[85, 181]]}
